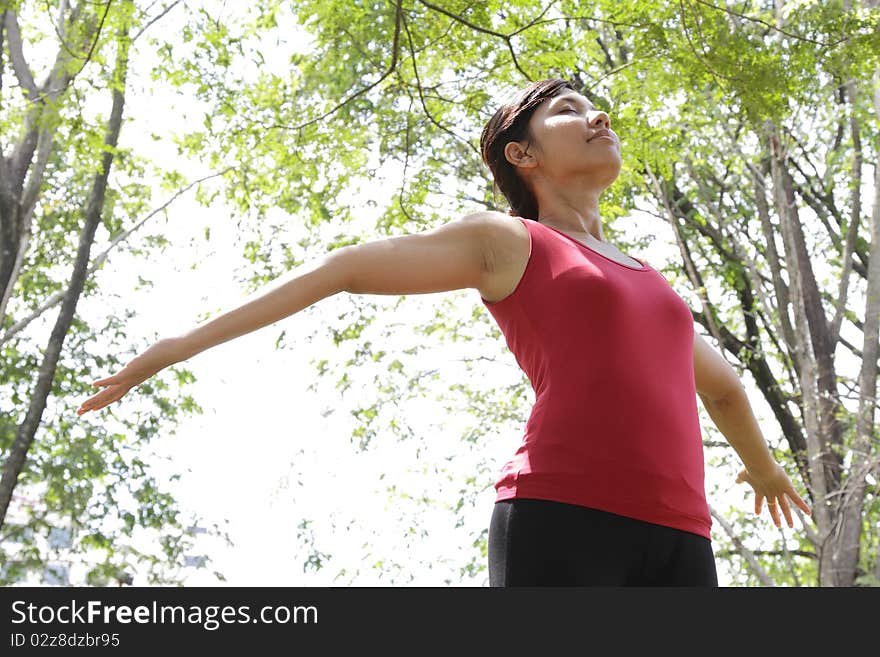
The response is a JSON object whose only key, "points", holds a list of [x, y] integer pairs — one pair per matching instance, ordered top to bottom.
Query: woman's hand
{"points": [[142, 367], [773, 485]]}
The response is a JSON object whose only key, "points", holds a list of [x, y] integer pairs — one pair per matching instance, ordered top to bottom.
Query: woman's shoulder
{"points": [[501, 224], [507, 234], [508, 249]]}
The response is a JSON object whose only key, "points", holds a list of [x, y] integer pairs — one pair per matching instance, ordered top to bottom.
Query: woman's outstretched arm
{"points": [[447, 258], [727, 403]]}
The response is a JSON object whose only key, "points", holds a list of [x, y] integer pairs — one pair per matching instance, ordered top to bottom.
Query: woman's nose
{"points": [[600, 120]]}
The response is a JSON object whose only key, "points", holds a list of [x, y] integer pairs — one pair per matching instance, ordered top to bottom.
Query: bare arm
{"points": [[450, 257], [447, 258], [309, 284], [718, 384], [727, 403]]}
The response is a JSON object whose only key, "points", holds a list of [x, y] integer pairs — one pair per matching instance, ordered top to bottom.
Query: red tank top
{"points": [[608, 349]]}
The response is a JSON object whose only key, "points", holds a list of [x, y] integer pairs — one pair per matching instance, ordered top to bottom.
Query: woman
{"points": [[607, 486]]}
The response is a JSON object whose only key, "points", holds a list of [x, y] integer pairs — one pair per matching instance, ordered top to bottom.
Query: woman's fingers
{"points": [[139, 369], [100, 399], [89, 404], [92, 405], [744, 478], [777, 492], [783, 502], [800, 502], [774, 510]]}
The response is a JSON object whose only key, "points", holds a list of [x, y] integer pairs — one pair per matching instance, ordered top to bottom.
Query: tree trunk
{"points": [[27, 430], [848, 537]]}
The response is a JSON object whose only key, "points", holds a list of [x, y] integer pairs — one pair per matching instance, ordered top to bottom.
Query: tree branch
{"points": [[63, 6], [158, 17], [535, 20], [473, 26], [772, 27], [91, 51], [19, 64], [391, 66], [2, 74], [422, 98], [45, 141], [405, 164], [19, 196], [821, 201], [855, 217], [96, 264], [692, 271], [854, 349], [744, 552], [774, 553]]}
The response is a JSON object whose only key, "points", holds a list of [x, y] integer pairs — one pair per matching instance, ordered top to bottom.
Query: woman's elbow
{"points": [[338, 263]]}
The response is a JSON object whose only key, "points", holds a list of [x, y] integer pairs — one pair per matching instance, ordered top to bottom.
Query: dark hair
{"points": [[511, 123]]}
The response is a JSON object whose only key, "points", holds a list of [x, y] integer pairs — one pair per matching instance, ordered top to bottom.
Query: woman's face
{"points": [[564, 142]]}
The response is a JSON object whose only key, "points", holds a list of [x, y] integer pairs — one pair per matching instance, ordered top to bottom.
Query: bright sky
{"points": [[263, 431]]}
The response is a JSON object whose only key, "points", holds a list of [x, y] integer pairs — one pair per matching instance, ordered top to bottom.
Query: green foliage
{"points": [[304, 102], [85, 497]]}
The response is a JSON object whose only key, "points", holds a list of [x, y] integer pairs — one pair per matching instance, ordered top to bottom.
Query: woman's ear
{"points": [[518, 155]]}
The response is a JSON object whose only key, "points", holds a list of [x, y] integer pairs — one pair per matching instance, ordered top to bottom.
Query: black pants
{"points": [[546, 543]]}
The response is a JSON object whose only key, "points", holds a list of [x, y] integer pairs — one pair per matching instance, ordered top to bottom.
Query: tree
{"points": [[761, 187], [761, 202], [70, 493]]}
